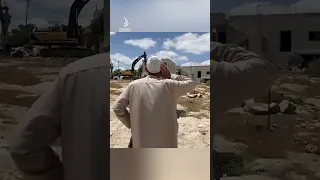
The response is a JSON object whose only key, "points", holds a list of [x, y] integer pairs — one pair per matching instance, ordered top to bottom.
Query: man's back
{"points": [[152, 104], [75, 108]]}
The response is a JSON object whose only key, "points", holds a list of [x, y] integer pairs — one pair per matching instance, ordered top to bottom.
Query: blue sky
{"points": [[184, 48]]}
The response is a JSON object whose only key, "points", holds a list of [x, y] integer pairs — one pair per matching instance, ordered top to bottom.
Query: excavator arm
{"points": [[76, 7], [144, 56]]}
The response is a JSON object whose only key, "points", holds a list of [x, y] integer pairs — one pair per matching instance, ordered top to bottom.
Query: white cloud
{"points": [[162, 16], [112, 33], [144, 43], [189, 43], [171, 55], [121, 58], [124, 61], [204, 63]]}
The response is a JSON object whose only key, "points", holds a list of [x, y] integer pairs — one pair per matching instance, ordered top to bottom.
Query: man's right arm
{"points": [[237, 75], [182, 85]]}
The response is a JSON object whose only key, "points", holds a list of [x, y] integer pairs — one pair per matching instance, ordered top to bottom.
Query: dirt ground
{"points": [[21, 83], [194, 123], [290, 149]]}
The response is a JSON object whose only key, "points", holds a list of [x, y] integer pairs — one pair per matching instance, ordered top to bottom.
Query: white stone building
{"points": [[274, 31], [196, 72]]}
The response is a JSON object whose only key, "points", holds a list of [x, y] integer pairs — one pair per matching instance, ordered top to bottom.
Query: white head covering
{"points": [[154, 64]]}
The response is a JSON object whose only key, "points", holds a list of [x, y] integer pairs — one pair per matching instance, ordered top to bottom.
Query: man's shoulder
{"points": [[88, 63], [137, 81]]}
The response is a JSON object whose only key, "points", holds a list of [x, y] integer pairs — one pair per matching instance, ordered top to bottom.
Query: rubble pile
{"points": [[25, 51], [197, 94], [279, 104]]}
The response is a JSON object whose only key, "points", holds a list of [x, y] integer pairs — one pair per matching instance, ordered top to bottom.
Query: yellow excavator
{"points": [[66, 43], [132, 72]]}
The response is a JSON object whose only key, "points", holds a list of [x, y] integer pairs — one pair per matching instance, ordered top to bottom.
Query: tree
{"points": [[97, 32], [20, 36], [116, 72]]}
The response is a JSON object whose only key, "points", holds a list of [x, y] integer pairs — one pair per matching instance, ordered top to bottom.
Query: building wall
{"points": [[269, 27], [192, 72]]}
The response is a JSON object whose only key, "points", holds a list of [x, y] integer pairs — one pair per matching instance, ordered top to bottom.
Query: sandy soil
{"points": [[21, 83], [194, 126], [290, 150]]}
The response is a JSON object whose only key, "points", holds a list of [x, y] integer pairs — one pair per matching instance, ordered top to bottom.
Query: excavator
{"points": [[66, 43], [132, 72]]}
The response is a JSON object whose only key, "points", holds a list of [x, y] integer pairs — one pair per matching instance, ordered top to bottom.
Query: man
{"points": [[237, 75], [152, 103], [76, 109]]}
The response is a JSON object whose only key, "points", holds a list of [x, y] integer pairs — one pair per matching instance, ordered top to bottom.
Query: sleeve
{"points": [[239, 75], [179, 77], [182, 86], [120, 107], [30, 143]]}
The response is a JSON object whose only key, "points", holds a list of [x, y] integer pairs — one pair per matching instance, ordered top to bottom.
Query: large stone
{"points": [[274, 97], [287, 107], [262, 108]]}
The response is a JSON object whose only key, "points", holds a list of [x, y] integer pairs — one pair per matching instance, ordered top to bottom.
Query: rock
{"points": [[192, 95], [275, 97], [294, 99], [248, 103], [287, 107], [262, 109], [239, 110], [200, 125], [303, 125], [203, 131], [4, 146], [310, 148]]}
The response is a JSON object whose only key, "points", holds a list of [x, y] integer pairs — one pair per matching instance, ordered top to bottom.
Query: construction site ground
{"points": [[21, 83], [194, 123], [289, 151]]}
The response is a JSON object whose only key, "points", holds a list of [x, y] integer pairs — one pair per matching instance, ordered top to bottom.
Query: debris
{"points": [[287, 107], [262, 108], [310, 148]]}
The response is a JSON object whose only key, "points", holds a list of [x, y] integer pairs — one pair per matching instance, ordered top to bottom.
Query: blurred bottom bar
{"points": [[159, 164]]}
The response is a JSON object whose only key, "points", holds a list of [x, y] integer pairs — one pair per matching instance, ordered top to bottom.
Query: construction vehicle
{"points": [[67, 42], [132, 72]]}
